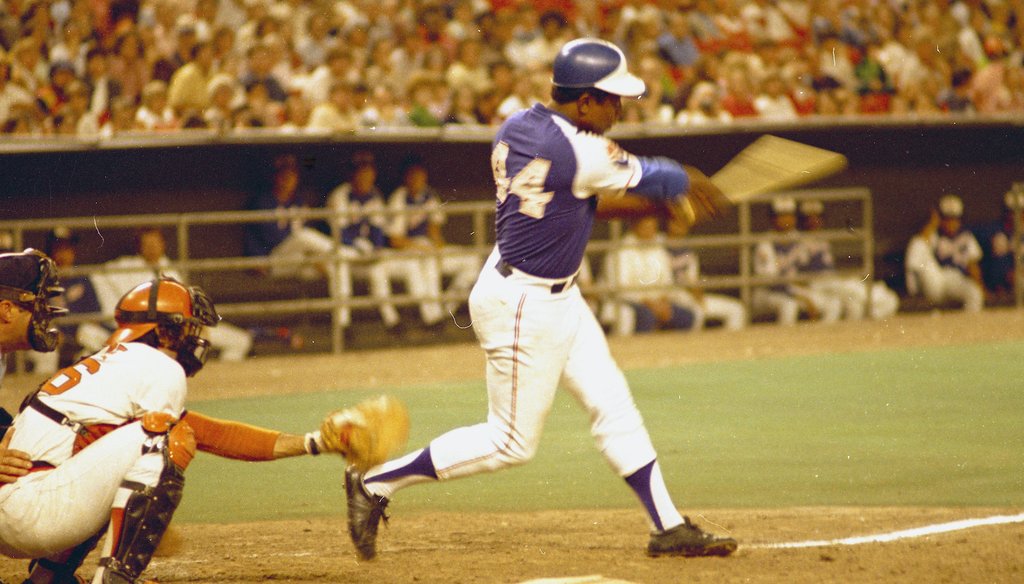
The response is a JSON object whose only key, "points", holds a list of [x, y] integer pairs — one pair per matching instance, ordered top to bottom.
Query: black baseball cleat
{"points": [[364, 514], [689, 541]]}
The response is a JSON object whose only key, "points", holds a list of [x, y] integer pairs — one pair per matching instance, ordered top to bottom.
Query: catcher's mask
{"points": [[29, 279], [175, 312]]}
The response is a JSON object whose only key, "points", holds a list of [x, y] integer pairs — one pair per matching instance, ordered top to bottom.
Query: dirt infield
{"points": [[594, 546]]}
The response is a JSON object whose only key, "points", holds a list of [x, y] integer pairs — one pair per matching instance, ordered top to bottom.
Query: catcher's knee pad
{"points": [[146, 515]]}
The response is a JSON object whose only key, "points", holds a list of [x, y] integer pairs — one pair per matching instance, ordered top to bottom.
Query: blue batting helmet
{"points": [[595, 63]]}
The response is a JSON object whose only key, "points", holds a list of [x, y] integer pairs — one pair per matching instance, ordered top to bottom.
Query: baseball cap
{"points": [[589, 62], [783, 205], [951, 206], [812, 207]]}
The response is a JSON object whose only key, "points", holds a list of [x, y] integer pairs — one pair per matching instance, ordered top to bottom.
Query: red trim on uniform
{"points": [[515, 368], [515, 393]]}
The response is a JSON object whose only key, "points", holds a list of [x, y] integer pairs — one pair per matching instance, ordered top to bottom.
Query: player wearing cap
{"points": [[554, 172], [997, 243], [781, 256], [942, 259], [852, 291]]}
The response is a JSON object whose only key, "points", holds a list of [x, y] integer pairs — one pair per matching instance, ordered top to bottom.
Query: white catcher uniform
{"points": [[532, 321], [54, 509]]}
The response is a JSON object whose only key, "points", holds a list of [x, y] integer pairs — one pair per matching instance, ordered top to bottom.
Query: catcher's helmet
{"points": [[597, 63], [29, 279], [176, 312]]}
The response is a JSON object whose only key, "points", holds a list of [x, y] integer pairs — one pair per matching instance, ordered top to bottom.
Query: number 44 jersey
{"points": [[548, 174]]}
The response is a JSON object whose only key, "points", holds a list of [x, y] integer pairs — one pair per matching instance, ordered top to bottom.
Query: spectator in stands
{"points": [[676, 44], [128, 64], [337, 66], [28, 68], [469, 68], [260, 70], [102, 87], [874, 87], [187, 92], [740, 93], [53, 95], [223, 97], [957, 97], [14, 99], [422, 100], [773, 101], [463, 107], [703, 107], [154, 113], [338, 113], [122, 118], [87, 123], [360, 208], [416, 223], [997, 238], [779, 256], [942, 260], [124, 273], [852, 291], [649, 298]]}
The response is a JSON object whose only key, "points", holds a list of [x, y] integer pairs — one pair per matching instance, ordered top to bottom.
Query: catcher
{"points": [[108, 441]]}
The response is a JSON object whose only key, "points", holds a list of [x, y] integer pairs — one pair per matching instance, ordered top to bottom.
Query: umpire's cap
{"points": [[596, 63]]}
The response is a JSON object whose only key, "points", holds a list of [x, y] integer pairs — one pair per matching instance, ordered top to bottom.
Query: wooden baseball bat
{"points": [[771, 164]]}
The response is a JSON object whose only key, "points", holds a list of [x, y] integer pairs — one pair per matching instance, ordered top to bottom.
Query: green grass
{"points": [[937, 426]]}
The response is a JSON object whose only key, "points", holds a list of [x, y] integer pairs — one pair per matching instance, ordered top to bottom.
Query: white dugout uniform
{"points": [[413, 213], [363, 227], [783, 259], [639, 264], [937, 268], [531, 319], [51, 510]]}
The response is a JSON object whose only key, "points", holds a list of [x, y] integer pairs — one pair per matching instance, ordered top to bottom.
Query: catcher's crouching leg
{"points": [[142, 513], [60, 568]]}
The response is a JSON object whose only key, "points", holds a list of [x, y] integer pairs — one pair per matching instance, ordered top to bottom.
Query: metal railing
{"points": [[743, 240]]}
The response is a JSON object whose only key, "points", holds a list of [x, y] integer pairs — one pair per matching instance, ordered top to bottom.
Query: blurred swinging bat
{"points": [[771, 164]]}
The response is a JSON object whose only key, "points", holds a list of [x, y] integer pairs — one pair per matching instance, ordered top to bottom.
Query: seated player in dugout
{"points": [[102, 446]]}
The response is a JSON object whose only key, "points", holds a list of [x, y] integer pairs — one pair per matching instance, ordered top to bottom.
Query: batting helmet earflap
{"points": [[589, 62]]}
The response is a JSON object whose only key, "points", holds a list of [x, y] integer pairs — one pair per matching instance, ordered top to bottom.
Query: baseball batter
{"points": [[554, 172]]}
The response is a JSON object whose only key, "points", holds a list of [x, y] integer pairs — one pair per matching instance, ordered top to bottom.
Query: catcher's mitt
{"points": [[367, 433]]}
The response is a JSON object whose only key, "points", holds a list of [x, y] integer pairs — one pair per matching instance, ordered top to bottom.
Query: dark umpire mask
{"points": [[29, 279]]}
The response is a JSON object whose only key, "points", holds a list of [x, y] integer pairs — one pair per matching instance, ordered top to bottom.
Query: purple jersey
{"points": [[548, 174]]}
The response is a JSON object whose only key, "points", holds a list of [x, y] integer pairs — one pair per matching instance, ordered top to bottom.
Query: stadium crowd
{"points": [[102, 67]]}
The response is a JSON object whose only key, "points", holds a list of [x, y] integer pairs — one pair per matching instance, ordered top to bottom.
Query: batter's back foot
{"points": [[689, 541]]}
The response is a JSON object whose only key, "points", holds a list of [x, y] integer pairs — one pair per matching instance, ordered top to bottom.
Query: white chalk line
{"points": [[896, 535]]}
